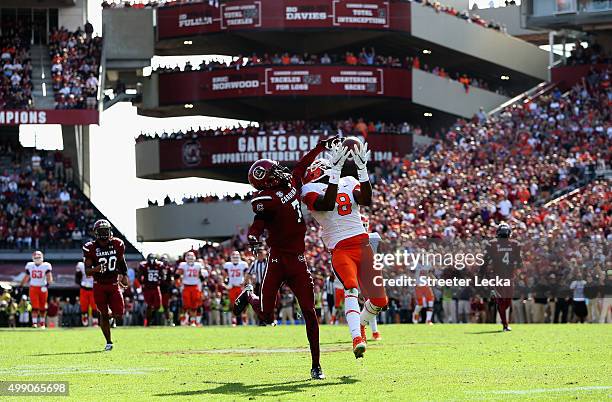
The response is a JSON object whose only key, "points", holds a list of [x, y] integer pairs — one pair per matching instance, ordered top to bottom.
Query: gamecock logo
{"points": [[192, 153], [259, 173]]}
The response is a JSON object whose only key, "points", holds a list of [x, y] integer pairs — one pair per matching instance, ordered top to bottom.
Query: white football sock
{"points": [[351, 311], [369, 312], [416, 313], [428, 313], [34, 320], [374, 325]]}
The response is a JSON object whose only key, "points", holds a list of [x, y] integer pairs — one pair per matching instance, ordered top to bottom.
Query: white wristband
{"points": [[363, 176]]}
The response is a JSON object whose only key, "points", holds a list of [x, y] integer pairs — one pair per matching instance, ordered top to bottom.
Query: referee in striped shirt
{"points": [[257, 271]]}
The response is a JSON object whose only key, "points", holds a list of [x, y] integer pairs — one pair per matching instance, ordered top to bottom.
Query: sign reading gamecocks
{"points": [[241, 150]]}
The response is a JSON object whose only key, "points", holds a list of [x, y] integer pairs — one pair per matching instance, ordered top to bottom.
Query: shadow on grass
{"points": [[484, 332], [89, 352], [275, 389]]}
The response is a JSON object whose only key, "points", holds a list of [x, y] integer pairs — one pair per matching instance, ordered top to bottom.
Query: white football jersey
{"points": [[345, 219], [236, 272], [38, 273], [191, 273], [86, 281]]}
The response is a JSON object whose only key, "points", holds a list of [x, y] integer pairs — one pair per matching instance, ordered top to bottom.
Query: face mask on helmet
{"points": [[37, 257], [190, 258], [235, 258], [151, 259]]}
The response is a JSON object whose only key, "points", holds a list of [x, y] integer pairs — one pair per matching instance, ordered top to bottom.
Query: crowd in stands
{"points": [[593, 53], [364, 57], [75, 63], [15, 67], [341, 127], [200, 199], [39, 207]]}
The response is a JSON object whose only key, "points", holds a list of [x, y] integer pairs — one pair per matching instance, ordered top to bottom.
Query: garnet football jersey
{"points": [[280, 210], [112, 256], [503, 257], [38, 273], [151, 274]]}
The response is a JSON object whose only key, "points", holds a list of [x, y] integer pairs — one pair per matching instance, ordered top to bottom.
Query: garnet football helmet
{"points": [[316, 170], [266, 173], [102, 229], [503, 230], [151, 258]]}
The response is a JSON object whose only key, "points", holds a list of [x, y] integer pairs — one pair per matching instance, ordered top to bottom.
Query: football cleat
{"points": [[242, 301], [429, 323], [507, 329], [363, 333], [376, 336], [108, 347], [359, 347], [317, 373]]}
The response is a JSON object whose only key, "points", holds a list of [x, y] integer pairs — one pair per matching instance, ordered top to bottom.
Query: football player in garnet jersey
{"points": [[334, 198], [277, 208], [502, 259], [105, 261], [149, 276]]}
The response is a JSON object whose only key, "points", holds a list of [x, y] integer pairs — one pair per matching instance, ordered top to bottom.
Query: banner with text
{"points": [[203, 18], [190, 87], [67, 117], [241, 150]]}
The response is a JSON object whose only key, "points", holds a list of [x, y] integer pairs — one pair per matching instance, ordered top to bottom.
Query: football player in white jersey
{"points": [[334, 198], [235, 269], [191, 273], [38, 274], [86, 295], [424, 296]]}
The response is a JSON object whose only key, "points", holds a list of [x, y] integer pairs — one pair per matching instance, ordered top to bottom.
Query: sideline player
{"points": [[334, 202], [277, 209], [375, 240], [502, 258], [105, 261], [235, 268], [191, 273], [38, 274], [149, 275], [166, 285], [423, 294], [86, 295]]}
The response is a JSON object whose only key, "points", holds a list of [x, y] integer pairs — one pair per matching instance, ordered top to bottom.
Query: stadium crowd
{"points": [[364, 57], [75, 61], [15, 68], [346, 127], [533, 165], [39, 207]]}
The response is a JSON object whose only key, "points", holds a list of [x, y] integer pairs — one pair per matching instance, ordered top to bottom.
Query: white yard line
{"points": [[24, 371], [544, 390]]}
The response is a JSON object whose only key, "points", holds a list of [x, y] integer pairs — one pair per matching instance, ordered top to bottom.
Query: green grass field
{"points": [[442, 362]]}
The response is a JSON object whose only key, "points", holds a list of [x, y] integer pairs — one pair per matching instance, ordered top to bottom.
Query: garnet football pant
{"points": [[290, 269], [108, 295], [152, 296], [86, 297]]}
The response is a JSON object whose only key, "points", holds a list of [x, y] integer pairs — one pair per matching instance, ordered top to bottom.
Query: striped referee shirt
{"points": [[258, 270]]}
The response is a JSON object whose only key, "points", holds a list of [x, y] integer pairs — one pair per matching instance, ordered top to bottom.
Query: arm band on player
{"points": [[363, 176]]}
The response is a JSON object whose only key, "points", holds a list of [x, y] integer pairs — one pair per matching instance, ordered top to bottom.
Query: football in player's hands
{"points": [[353, 144]]}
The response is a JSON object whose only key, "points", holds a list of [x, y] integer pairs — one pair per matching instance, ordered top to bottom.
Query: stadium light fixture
{"points": [[187, 42], [426, 51], [505, 78], [188, 106], [428, 114]]}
